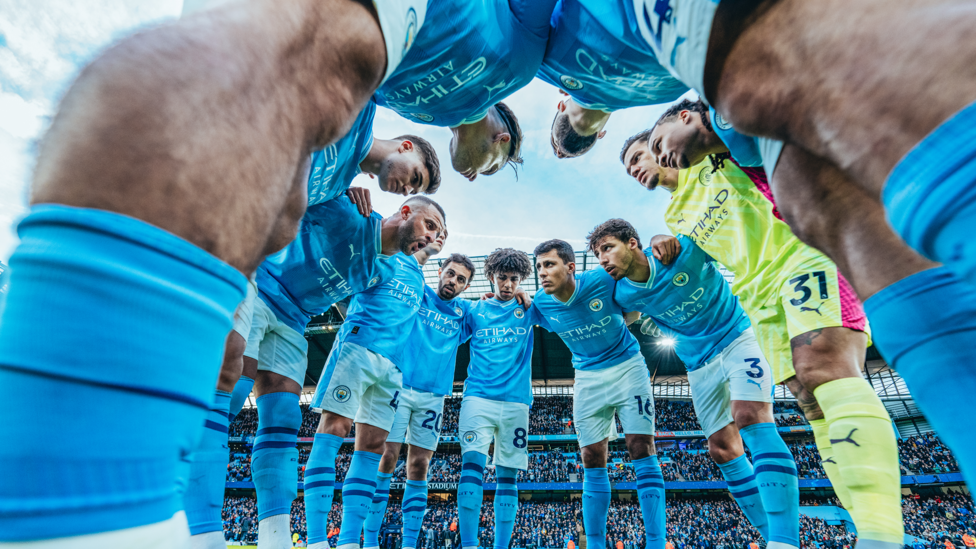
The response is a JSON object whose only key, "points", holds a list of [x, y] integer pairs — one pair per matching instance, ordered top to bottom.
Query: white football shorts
{"points": [[678, 31], [244, 312], [276, 346], [739, 372], [359, 384], [624, 390], [418, 419], [507, 423]]}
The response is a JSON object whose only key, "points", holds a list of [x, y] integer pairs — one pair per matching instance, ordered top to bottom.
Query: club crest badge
{"points": [[411, 25], [570, 82], [422, 116], [721, 122], [680, 279], [596, 305], [458, 311], [519, 313], [341, 393], [469, 437]]}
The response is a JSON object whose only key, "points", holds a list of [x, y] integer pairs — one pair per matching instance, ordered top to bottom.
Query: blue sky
{"points": [[44, 43]]}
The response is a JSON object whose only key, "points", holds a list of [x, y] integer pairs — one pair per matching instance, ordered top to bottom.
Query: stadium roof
{"points": [[551, 359]]}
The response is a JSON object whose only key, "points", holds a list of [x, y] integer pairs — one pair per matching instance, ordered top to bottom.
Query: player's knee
{"points": [[233, 365], [334, 424], [640, 447], [723, 450], [593, 457], [417, 467]]}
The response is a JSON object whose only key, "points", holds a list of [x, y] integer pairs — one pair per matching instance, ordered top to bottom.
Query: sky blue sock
{"points": [[933, 352], [237, 399], [274, 459], [741, 479], [777, 479], [320, 485], [650, 491], [357, 495], [470, 496], [204, 497], [596, 504], [506, 505], [413, 507], [377, 510]]}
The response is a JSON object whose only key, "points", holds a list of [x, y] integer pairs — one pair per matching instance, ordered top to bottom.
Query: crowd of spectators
{"points": [[551, 415], [791, 421], [925, 454], [919, 455], [712, 522]]}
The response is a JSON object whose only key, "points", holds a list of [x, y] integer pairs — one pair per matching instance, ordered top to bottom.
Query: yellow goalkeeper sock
{"points": [[822, 438], [863, 441]]}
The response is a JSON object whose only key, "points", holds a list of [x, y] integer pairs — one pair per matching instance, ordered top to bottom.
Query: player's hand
{"points": [[360, 197], [665, 248], [488, 295], [523, 298], [649, 328]]}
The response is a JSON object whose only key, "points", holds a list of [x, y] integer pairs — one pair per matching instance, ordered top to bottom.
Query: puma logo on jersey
{"points": [[491, 89], [352, 250], [817, 310], [754, 382], [846, 439], [829, 460]]}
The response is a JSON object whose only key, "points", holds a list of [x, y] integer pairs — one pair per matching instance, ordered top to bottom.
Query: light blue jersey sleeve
{"points": [[595, 54], [466, 57], [744, 148], [334, 167], [337, 253], [689, 300], [382, 317], [591, 323], [501, 351], [430, 354]]}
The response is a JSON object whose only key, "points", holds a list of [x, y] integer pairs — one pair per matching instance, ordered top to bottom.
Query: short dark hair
{"points": [[698, 106], [515, 131], [642, 136], [565, 137], [429, 157], [426, 202], [617, 228], [563, 250], [461, 260], [508, 260]]}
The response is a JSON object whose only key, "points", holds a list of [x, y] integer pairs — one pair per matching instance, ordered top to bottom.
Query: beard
{"points": [[406, 236]]}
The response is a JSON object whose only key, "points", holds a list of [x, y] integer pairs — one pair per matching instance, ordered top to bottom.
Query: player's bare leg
{"points": [[895, 282]]}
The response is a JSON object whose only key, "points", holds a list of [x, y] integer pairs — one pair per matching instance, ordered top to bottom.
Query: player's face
{"points": [[583, 121], [677, 144], [642, 166], [403, 172], [422, 226], [616, 256], [554, 273], [453, 279], [505, 285]]}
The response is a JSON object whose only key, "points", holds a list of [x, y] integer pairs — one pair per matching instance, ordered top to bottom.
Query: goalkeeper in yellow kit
{"points": [[807, 319]]}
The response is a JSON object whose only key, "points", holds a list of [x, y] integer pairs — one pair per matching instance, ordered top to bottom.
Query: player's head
{"points": [[575, 128], [677, 139], [487, 152], [642, 166], [411, 168], [419, 222], [616, 244], [555, 263], [506, 268], [454, 276]]}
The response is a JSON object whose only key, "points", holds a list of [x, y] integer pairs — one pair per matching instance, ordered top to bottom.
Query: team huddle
{"points": [[199, 174]]}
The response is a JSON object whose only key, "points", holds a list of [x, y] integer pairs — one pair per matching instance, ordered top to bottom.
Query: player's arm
{"points": [[220, 108], [360, 197], [665, 248], [631, 317]]}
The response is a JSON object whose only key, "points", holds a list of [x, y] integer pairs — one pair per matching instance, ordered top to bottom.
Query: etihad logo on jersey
{"points": [[609, 69], [433, 87], [711, 218], [333, 283], [596, 305], [688, 307], [437, 320], [588, 330], [501, 332]]}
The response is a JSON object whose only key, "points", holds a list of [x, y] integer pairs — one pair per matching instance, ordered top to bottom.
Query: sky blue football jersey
{"points": [[596, 55], [468, 56], [744, 148], [334, 167], [337, 253], [690, 301], [381, 318], [591, 323], [501, 351], [430, 352]]}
